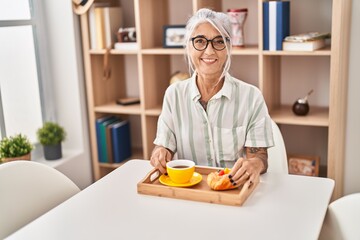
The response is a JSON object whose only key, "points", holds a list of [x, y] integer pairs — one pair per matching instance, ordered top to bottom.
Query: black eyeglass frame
{"points": [[207, 42]]}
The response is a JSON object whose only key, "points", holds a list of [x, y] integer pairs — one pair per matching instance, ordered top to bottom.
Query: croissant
{"points": [[219, 182]]}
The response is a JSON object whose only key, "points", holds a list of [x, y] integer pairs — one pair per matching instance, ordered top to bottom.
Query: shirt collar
{"points": [[224, 91]]}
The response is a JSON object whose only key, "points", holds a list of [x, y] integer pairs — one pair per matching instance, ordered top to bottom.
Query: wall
{"points": [[66, 72], [352, 157]]}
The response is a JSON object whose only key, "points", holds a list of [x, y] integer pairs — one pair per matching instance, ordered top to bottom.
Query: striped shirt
{"points": [[235, 117]]}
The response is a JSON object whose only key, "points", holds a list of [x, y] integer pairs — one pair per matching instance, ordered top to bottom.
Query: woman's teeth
{"points": [[209, 60]]}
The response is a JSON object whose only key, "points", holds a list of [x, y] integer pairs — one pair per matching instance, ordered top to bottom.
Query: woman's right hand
{"points": [[159, 157]]}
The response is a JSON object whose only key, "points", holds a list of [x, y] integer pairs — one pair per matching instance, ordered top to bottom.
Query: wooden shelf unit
{"points": [[154, 68]]}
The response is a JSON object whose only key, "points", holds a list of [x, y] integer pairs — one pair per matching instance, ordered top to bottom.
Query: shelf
{"points": [[247, 50], [113, 51], [163, 51], [123, 52], [321, 52], [118, 109], [153, 112], [318, 117], [137, 154]]}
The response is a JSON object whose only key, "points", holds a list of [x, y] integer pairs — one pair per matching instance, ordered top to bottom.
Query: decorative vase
{"points": [[237, 18], [52, 152], [23, 157]]}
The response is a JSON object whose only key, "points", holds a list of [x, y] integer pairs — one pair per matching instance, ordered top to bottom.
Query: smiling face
{"points": [[208, 63]]}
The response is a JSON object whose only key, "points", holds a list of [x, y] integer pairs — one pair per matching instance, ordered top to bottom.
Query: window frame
{"points": [[39, 29]]}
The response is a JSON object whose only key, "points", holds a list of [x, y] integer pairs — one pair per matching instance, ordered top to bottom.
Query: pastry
{"points": [[220, 180]]}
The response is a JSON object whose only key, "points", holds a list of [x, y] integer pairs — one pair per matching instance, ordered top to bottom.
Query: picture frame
{"points": [[173, 36], [304, 165]]}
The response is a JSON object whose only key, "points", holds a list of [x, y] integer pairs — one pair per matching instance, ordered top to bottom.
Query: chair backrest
{"points": [[277, 157], [28, 190], [342, 219]]}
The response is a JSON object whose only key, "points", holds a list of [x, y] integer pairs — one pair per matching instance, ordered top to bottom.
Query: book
{"points": [[113, 21], [104, 23], [276, 24], [92, 27], [99, 28], [309, 36], [126, 46], [304, 46], [128, 101], [98, 123], [101, 140], [104, 141], [121, 141], [109, 142]]}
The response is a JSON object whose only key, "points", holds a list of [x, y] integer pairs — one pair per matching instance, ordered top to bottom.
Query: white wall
{"points": [[67, 74], [352, 156]]}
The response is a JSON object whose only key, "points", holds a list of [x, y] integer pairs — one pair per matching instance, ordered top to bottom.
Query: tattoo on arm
{"points": [[254, 150], [260, 153]]}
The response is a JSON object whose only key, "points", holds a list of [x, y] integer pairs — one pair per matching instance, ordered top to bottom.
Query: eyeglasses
{"points": [[200, 43]]}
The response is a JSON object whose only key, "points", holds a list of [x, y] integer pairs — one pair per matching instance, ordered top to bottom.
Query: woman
{"points": [[213, 118]]}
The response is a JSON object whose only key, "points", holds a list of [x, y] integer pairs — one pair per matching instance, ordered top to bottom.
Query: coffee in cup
{"points": [[181, 170]]}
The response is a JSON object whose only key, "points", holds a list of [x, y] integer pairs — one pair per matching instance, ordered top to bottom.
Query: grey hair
{"points": [[220, 21]]}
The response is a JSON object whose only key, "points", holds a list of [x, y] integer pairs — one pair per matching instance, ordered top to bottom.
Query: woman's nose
{"points": [[209, 49]]}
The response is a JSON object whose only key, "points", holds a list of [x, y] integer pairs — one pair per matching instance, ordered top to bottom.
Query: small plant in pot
{"points": [[50, 135], [17, 147]]}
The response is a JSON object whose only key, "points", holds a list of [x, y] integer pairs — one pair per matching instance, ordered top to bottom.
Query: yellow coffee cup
{"points": [[181, 170]]}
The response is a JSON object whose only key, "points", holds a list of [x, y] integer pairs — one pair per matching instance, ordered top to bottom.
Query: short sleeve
{"points": [[259, 129], [165, 135]]}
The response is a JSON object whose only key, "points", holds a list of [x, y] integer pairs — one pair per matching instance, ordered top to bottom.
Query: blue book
{"points": [[276, 24], [266, 25], [97, 126], [99, 136], [121, 141], [109, 147], [104, 157]]}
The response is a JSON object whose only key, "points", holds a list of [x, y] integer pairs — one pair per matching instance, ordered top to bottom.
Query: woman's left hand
{"points": [[246, 169]]}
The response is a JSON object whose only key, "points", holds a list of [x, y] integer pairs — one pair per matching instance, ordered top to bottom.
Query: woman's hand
{"points": [[159, 157], [250, 167]]}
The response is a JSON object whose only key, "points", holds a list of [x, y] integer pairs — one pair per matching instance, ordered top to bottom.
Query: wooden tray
{"points": [[150, 185]]}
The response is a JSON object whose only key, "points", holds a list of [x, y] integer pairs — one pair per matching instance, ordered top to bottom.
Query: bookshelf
{"points": [[145, 73]]}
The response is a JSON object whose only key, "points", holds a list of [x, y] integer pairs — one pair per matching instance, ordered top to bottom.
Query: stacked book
{"points": [[104, 23], [276, 24], [310, 41], [113, 139]]}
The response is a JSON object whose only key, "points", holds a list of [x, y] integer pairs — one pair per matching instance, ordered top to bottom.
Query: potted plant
{"points": [[50, 135], [17, 147]]}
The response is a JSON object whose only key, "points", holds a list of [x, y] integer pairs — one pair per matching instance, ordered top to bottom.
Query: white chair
{"points": [[277, 158], [28, 190], [342, 219]]}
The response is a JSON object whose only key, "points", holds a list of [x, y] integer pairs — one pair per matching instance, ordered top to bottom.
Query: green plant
{"points": [[51, 134], [15, 146]]}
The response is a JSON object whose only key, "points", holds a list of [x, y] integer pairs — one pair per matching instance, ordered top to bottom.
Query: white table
{"points": [[281, 207]]}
